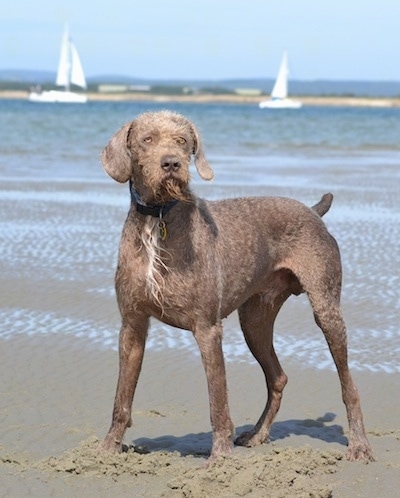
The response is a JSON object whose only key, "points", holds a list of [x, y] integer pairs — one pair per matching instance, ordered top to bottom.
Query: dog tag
{"points": [[163, 229]]}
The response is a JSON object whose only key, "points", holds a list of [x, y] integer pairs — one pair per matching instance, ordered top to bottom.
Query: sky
{"points": [[208, 39]]}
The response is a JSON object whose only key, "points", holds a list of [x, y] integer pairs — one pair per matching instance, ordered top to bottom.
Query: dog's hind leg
{"points": [[320, 276], [328, 316], [257, 317], [132, 340]]}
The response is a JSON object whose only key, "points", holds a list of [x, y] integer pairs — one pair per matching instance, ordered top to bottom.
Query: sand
{"points": [[234, 98], [56, 400]]}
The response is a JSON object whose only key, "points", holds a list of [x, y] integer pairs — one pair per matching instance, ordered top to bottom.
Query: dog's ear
{"points": [[116, 157], [200, 161]]}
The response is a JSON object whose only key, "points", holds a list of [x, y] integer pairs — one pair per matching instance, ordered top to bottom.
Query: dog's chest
{"points": [[159, 269], [161, 274]]}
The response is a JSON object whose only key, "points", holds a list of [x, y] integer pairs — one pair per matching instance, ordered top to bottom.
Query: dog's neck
{"points": [[156, 210]]}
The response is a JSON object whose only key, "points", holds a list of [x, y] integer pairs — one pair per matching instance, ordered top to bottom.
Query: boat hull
{"points": [[58, 96], [280, 104]]}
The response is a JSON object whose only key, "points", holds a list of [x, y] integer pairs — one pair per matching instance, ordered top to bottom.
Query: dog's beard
{"points": [[172, 188]]}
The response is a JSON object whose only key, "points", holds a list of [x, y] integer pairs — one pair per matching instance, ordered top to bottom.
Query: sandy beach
{"points": [[237, 99], [59, 365], [56, 401]]}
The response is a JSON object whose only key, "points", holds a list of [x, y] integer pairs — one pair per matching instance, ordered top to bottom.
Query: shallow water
{"points": [[61, 217]]}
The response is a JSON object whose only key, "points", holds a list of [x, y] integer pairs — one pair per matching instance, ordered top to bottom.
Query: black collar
{"points": [[156, 210]]}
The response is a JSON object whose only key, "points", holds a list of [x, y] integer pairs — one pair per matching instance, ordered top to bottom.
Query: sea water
{"points": [[61, 217]]}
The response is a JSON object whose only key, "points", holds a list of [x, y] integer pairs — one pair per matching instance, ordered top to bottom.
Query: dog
{"points": [[190, 262]]}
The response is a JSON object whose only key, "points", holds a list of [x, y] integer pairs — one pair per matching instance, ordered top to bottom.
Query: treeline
{"points": [[96, 88]]}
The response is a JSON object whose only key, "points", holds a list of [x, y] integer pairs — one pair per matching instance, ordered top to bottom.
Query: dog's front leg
{"points": [[209, 340], [132, 341]]}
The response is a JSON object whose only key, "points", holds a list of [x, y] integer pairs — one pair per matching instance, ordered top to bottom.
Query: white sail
{"points": [[64, 64], [77, 74], [280, 89]]}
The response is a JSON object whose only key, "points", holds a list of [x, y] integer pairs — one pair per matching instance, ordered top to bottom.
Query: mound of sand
{"points": [[281, 473]]}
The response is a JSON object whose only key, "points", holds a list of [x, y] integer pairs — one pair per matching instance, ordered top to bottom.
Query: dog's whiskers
{"points": [[171, 189]]}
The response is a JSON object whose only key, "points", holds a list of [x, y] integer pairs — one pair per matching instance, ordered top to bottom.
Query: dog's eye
{"points": [[147, 140], [181, 140]]}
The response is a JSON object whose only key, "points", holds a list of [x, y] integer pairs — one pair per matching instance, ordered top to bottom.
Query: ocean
{"points": [[61, 218]]}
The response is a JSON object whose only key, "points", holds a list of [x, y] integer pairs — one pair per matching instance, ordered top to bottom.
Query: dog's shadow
{"points": [[200, 444]]}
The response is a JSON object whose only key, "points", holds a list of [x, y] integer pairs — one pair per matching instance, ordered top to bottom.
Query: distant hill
{"points": [[26, 76], [317, 87]]}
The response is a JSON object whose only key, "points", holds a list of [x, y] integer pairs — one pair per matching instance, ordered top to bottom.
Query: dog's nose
{"points": [[170, 163]]}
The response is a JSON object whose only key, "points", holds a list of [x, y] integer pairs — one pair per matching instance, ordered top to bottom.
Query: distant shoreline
{"points": [[239, 99]]}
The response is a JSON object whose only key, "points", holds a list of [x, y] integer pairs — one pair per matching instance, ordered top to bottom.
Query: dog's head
{"points": [[154, 152]]}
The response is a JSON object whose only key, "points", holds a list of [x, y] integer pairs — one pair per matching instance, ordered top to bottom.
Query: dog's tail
{"points": [[324, 204]]}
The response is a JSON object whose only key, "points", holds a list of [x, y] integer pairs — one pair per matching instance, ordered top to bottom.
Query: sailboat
{"points": [[69, 71], [279, 95]]}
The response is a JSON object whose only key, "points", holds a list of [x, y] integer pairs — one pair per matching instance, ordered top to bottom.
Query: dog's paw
{"points": [[244, 439], [250, 439], [111, 445], [220, 447], [360, 452]]}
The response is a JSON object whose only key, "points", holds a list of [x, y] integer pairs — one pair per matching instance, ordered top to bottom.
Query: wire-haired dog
{"points": [[190, 263]]}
